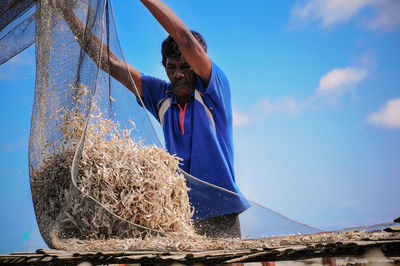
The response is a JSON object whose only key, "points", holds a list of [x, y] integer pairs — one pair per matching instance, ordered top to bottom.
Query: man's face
{"points": [[181, 76]]}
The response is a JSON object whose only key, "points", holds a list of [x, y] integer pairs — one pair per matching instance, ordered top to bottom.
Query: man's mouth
{"points": [[180, 84]]}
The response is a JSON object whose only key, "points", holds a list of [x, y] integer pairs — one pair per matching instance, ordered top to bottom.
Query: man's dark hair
{"points": [[169, 47]]}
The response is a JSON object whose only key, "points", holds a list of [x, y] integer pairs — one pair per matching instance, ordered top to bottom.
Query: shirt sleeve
{"points": [[218, 90], [153, 92]]}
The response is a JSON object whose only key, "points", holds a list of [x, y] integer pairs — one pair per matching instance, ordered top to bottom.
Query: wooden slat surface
{"points": [[292, 252]]}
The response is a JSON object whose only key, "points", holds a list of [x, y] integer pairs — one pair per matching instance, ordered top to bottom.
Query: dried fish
{"points": [[141, 184], [179, 242]]}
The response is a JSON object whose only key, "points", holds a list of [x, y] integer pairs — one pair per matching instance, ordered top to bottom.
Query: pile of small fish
{"points": [[120, 182], [139, 183], [176, 242]]}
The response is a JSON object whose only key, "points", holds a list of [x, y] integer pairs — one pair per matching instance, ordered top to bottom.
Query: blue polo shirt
{"points": [[200, 134]]}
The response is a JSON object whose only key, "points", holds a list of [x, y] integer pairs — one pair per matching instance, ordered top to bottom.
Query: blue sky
{"points": [[316, 98]]}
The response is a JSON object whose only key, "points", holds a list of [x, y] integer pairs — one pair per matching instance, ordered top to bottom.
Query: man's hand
{"points": [[110, 63]]}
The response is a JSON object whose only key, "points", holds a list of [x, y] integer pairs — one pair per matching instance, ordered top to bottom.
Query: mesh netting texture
{"points": [[17, 22], [77, 123], [98, 169]]}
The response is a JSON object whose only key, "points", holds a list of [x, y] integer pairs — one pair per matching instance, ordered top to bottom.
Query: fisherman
{"points": [[194, 109]]}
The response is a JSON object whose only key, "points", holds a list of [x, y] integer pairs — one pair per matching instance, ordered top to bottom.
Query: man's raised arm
{"points": [[191, 50], [109, 62]]}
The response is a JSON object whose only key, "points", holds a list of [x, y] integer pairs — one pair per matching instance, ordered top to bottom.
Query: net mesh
{"points": [[12, 10], [17, 22], [69, 86], [98, 169]]}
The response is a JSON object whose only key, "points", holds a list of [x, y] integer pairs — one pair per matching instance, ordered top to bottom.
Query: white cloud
{"points": [[329, 12], [383, 15], [387, 16], [21, 64], [341, 79], [331, 86], [263, 108], [388, 116], [240, 119], [17, 145]]}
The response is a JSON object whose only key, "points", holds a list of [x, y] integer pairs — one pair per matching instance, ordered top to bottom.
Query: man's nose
{"points": [[179, 73]]}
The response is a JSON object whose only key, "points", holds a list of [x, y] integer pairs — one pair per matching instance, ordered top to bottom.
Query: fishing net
{"points": [[98, 167]]}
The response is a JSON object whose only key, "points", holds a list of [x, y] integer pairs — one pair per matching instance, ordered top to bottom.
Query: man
{"points": [[194, 109]]}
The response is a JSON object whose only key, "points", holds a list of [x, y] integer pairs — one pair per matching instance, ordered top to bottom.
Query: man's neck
{"points": [[182, 100]]}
